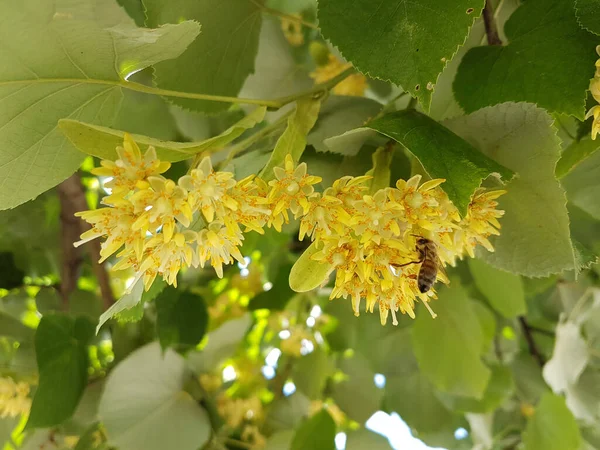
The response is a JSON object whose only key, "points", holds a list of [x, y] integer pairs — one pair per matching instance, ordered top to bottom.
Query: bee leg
{"points": [[406, 264]]}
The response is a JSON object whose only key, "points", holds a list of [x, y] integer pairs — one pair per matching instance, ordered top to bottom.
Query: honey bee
{"points": [[430, 263]]}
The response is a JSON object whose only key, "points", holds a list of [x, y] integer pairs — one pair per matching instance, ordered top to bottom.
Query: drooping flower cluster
{"points": [[595, 91], [157, 226], [370, 240], [14, 398]]}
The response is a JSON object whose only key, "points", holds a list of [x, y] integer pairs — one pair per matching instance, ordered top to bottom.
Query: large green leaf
{"points": [[588, 14], [541, 32], [408, 43], [222, 57], [64, 66], [293, 140], [102, 142], [442, 153], [576, 153], [583, 185], [535, 237], [503, 290], [128, 301], [181, 319], [449, 348], [61, 350], [310, 373], [357, 395], [144, 406], [552, 427], [317, 433], [364, 439]]}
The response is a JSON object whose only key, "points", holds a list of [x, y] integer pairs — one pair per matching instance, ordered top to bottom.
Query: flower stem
{"points": [[277, 13], [491, 30]]}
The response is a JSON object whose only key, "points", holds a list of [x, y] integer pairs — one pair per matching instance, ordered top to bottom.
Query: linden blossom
{"points": [[154, 221]]}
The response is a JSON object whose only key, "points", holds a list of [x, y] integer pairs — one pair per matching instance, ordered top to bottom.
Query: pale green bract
{"points": [[58, 63]]}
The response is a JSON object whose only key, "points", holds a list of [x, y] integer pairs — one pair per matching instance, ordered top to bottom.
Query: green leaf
{"points": [[588, 15], [540, 32], [422, 36], [226, 48], [80, 77], [339, 115], [293, 139], [102, 142], [576, 153], [460, 164], [381, 173], [583, 186], [535, 236], [307, 274], [503, 290], [278, 296], [128, 301], [136, 312], [181, 319], [12, 327], [222, 344], [449, 348], [61, 349], [569, 359], [311, 372], [499, 388], [408, 392], [357, 395], [144, 406], [288, 412], [552, 427], [317, 433], [364, 439]]}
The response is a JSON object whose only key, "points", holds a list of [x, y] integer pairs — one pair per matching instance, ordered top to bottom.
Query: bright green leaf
{"points": [[588, 15], [541, 32], [422, 37], [225, 49], [78, 77], [293, 140], [102, 142], [442, 153], [575, 154], [380, 173], [583, 185], [535, 237], [307, 274], [503, 290], [278, 296], [128, 301], [136, 312], [181, 319], [487, 322], [449, 348], [61, 349], [569, 358], [311, 372], [527, 374], [498, 389], [357, 395], [144, 406], [288, 412], [552, 427], [317, 433]]}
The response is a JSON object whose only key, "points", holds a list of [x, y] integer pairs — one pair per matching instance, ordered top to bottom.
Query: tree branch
{"points": [[490, 25], [72, 200], [530, 341]]}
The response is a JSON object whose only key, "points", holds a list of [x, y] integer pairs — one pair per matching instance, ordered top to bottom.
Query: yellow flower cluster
{"points": [[292, 29], [354, 84], [595, 91], [158, 226], [370, 240], [14, 398], [244, 414]]}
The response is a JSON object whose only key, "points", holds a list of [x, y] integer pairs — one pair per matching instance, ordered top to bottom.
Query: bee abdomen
{"points": [[427, 275]]}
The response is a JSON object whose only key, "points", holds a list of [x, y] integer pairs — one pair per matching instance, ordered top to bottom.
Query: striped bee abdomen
{"points": [[427, 275]]}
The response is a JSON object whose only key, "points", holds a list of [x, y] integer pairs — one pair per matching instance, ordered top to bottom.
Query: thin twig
{"points": [[491, 30], [72, 200], [542, 331], [498, 350], [533, 350]]}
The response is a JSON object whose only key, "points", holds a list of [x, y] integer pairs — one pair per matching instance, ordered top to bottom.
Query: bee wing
{"points": [[442, 275]]}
